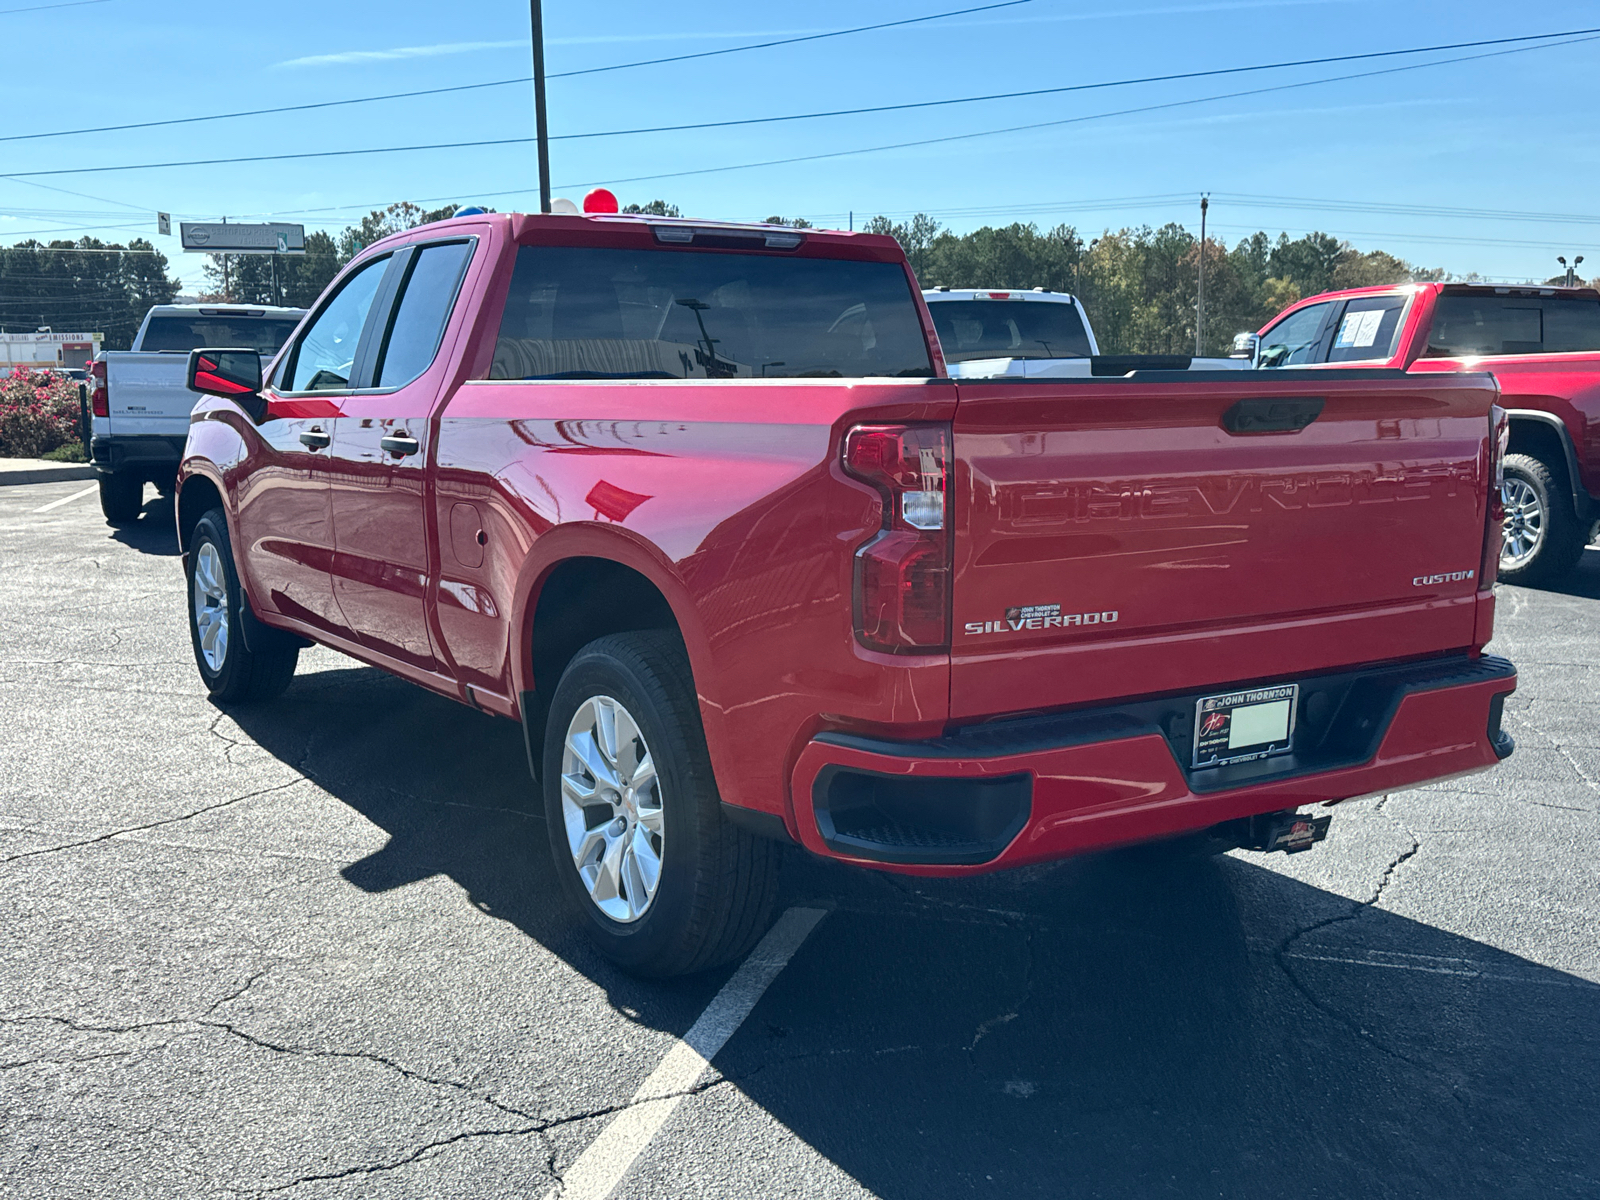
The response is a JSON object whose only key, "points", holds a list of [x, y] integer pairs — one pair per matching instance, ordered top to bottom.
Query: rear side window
{"points": [[577, 313], [419, 320], [1468, 325], [970, 329], [1367, 329], [183, 334], [1293, 341]]}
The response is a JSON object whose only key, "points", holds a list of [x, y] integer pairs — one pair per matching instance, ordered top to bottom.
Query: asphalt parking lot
{"points": [[315, 948]]}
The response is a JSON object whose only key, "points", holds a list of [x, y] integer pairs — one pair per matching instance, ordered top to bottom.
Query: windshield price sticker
{"points": [[1241, 726]]}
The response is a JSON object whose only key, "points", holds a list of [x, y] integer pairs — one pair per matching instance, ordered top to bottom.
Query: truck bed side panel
{"points": [[729, 496]]}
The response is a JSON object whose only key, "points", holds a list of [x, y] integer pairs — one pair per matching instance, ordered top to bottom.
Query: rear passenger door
{"points": [[380, 452]]}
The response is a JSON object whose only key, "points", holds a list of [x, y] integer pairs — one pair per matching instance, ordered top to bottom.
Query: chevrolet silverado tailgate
{"points": [[148, 394], [1166, 532]]}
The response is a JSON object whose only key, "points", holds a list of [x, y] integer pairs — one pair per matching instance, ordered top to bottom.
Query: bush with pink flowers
{"points": [[38, 412]]}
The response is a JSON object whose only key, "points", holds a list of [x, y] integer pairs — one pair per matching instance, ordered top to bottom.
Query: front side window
{"points": [[577, 313], [419, 320], [1467, 326], [970, 329], [1367, 329], [181, 334], [1293, 341], [325, 355]]}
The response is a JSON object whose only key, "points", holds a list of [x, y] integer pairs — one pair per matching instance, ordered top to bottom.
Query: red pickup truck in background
{"points": [[1542, 344], [698, 505]]}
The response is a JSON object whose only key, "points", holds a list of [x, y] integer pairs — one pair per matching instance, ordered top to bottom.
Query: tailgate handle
{"points": [[1287, 414]]}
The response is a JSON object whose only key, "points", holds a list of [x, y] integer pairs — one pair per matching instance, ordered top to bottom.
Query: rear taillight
{"points": [[99, 403], [1494, 524], [902, 576]]}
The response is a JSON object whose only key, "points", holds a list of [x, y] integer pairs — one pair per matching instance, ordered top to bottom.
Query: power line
{"points": [[6, 12], [495, 83], [1079, 87], [1147, 108], [806, 116], [488, 142]]}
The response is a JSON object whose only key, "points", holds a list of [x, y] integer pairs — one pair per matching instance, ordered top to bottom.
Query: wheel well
{"points": [[1538, 440], [196, 498], [583, 599]]}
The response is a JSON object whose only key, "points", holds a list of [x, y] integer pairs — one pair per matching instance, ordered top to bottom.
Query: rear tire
{"points": [[121, 498], [1543, 536], [230, 669], [649, 806]]}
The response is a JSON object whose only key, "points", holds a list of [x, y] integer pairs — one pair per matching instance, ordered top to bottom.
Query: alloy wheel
{"points": [[1525, 523], [211, 605], [611, 807]]}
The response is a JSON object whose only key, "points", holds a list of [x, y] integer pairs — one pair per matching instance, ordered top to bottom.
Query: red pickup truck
{"points": [[1542, 344], [698, 505]]}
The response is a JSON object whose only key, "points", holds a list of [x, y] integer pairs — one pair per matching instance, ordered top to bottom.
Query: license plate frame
{"points": [[1215, 725]]}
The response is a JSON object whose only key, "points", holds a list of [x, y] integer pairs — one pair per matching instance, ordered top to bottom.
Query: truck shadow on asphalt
{"points": [[156, 530], [1585, 577], [1112, 1026]]}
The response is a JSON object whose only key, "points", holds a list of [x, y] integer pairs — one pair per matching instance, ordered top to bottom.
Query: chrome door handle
{"points": [[316, 439], [400, 445]]}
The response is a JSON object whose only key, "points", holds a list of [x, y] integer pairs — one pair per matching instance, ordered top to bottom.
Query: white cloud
{"points": [[347, 57]]}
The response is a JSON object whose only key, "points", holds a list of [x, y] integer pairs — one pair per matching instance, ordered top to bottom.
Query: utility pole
{"points": [[541, 127], [1200, 308]]}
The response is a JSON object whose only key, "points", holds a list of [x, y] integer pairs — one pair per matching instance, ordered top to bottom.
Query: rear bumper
{"points": [[152, 456], [1009, 793]]}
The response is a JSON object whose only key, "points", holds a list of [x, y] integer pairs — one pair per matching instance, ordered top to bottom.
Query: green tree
{"points": [[656, 208], [85, 286]]}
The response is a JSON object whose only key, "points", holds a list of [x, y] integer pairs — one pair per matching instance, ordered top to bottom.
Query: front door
{"points": [[380, 453], [284, 516]]}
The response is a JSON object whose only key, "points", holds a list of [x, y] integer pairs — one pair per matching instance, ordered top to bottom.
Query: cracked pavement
{"points": [[314, 949]]}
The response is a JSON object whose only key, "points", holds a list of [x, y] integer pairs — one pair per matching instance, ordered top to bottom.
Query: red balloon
{"points": [[600, 200]]}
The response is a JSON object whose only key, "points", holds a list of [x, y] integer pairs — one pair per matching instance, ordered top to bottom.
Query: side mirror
{"points": [[1244, 346], [235, 374]]}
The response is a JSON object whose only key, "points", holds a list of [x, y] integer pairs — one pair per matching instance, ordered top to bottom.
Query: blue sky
{"points": [[1508, 135]]}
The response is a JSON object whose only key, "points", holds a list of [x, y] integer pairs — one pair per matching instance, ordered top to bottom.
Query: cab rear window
{"points": [[580, 313], [1469, 325], [972, 329], [263, 334]]}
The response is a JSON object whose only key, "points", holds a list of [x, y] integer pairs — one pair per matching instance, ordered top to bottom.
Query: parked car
{"points": [[1038, 334], [1542, 344], [139, 403], [699, 506]]}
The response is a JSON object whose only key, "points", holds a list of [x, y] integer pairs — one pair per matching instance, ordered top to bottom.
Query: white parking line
{"points": [[68, 499], [601, 1167]]}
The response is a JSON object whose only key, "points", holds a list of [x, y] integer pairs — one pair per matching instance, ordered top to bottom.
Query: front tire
{"points": [[121, 499], [1543, 538], [230, 669], [666, 886]]}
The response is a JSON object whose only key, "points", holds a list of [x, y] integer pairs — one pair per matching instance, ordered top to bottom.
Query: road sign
{"points": [[164, 224], [270, 238]]}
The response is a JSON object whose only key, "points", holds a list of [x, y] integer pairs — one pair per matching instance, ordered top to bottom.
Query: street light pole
{"points": [[541, 127], [1200, 308]]}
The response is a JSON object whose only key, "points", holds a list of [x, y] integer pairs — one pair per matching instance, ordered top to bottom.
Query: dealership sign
{"points": [[271, 238]]}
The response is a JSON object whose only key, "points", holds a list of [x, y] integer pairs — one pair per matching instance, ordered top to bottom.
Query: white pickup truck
{"points": [[1039, 334], [140, 400]]}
